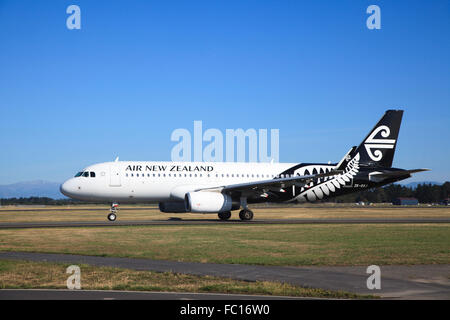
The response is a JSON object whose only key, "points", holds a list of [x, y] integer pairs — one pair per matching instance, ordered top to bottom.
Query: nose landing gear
{"points": [[112, 216]]}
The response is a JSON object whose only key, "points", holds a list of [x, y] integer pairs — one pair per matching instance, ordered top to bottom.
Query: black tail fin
{"points": [[378, 148]]}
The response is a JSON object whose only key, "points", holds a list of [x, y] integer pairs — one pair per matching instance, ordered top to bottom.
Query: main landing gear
{"points": [[225, 215], [246, 215], [112, 216]]}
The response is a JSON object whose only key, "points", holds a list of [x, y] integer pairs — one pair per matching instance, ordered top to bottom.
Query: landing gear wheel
{"points": [[225, 215], [246, 215], [112, 216]]}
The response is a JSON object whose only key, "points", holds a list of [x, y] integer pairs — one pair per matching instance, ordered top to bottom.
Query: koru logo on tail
{"points": [[372, 143]]}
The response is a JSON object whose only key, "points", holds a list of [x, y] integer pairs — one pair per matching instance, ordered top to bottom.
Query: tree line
{"points": [[425, 193]]}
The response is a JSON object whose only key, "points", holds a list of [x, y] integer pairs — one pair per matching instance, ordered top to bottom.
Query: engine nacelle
{"points": [[208, 202], [172, 207]]}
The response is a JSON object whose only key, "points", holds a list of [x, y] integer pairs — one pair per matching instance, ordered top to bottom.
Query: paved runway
{"points": [[52, 208], [177, 221], [404, 282], [65, 294]]}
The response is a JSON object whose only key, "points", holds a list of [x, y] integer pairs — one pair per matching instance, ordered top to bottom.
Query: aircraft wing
{"points": [[276, 184]]}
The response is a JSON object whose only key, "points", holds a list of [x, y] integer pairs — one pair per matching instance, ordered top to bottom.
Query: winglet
{"points": [[117, 159], [346, 159]]}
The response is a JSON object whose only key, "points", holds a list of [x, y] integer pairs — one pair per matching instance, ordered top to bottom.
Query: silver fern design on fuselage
{"points": [[325, 187]]}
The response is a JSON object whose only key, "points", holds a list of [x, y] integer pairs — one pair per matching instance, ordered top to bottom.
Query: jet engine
{"points": [[209, 202]]}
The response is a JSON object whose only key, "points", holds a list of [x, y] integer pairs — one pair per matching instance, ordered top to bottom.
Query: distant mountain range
{"points": [[37, 188], [41, 188]]}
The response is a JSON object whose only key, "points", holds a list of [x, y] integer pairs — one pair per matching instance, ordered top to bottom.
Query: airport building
{"points": [[405, 201]]}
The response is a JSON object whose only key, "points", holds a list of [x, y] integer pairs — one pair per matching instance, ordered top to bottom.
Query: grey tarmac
{"points": [[179, 221], [65, 294]]}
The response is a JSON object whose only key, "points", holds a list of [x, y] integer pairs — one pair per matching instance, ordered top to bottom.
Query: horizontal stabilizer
{"points": [[381, 175]]}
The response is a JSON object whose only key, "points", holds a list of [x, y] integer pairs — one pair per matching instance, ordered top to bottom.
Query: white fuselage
{"points": [[144, 181]]}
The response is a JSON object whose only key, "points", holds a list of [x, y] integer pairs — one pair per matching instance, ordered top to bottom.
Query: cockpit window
{"points": [[86, 174]]}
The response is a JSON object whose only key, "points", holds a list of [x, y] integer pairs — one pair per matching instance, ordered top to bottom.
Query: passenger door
{"points": [[114, 175]]}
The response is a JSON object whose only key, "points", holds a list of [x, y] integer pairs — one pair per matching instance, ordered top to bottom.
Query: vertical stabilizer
{"points": [[378, 148]]}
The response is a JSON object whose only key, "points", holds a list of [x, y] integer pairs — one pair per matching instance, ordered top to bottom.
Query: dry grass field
{"points": [[44, 275]]}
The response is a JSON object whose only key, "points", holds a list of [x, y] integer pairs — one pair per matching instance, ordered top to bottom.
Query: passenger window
{"points": [[92, 174]]}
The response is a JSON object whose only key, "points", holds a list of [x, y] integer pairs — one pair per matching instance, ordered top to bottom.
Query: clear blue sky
{"points": [[137, 70]]}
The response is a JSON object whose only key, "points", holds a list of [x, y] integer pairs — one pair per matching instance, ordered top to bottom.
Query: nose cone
{"points": [[68, 188]]}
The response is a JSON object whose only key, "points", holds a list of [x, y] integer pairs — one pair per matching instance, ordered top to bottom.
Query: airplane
{"points": [[222, 187]]}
